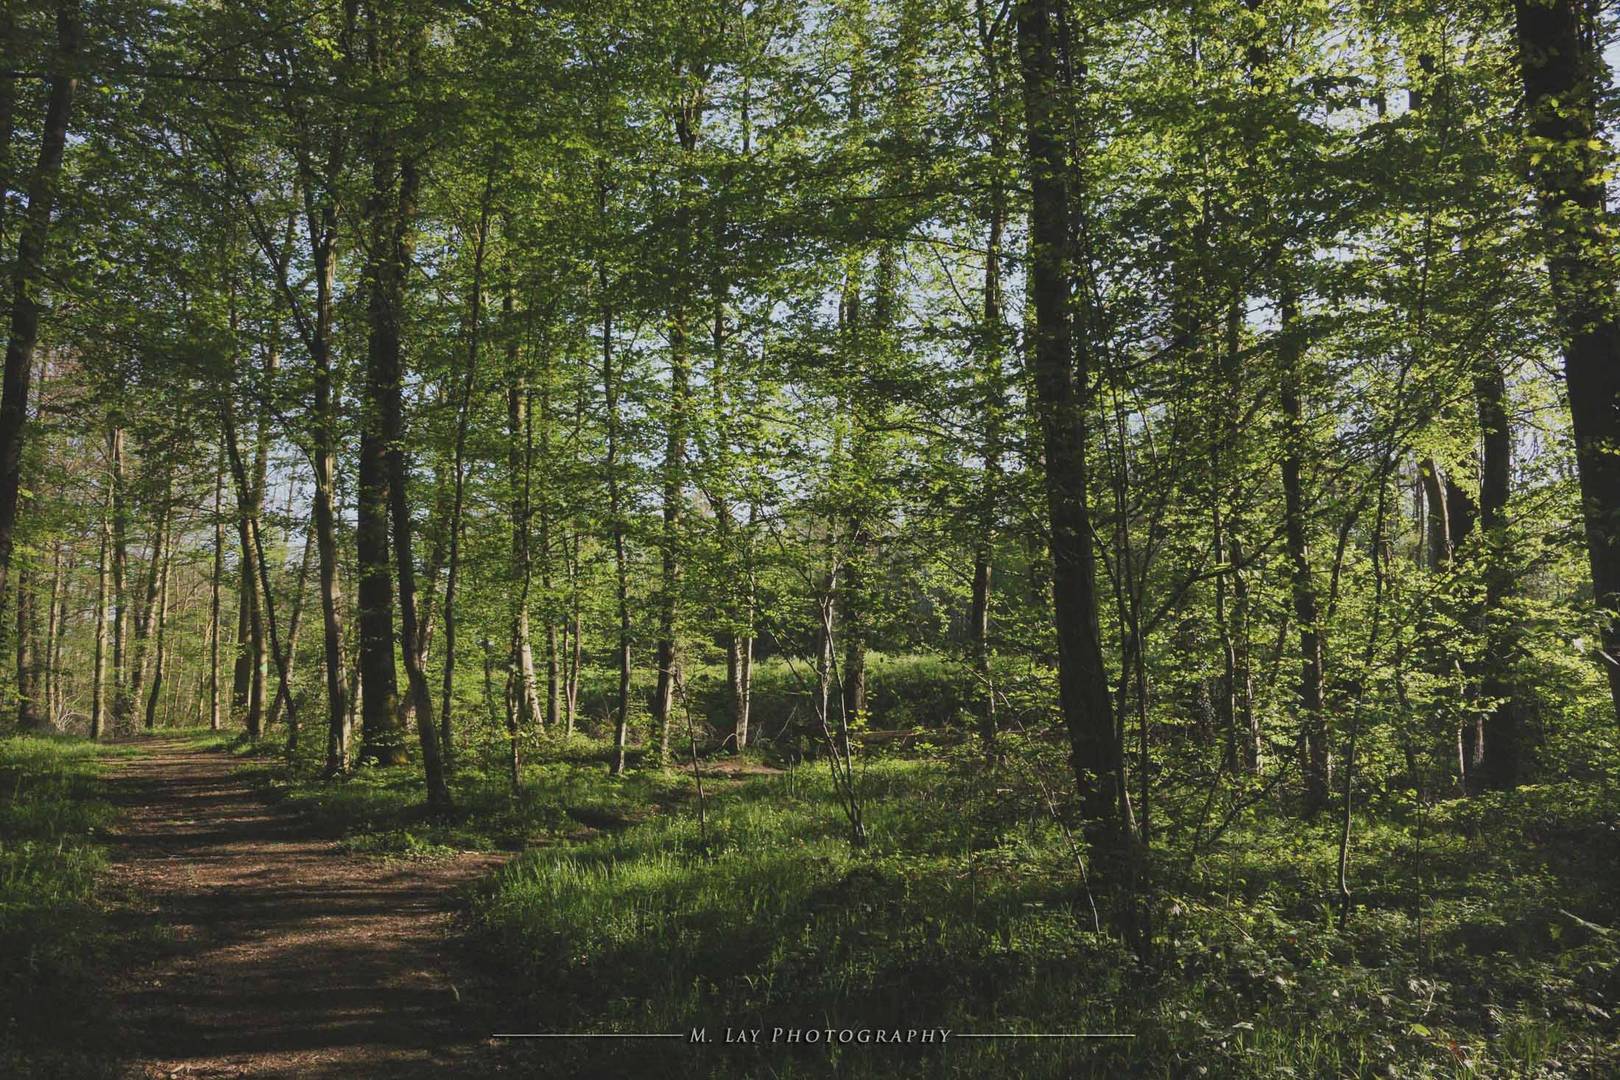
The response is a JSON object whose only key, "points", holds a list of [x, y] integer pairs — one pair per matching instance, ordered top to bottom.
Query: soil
{"points": [[276, 954]]}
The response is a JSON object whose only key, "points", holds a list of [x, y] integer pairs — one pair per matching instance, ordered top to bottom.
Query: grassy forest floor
{"points": [[1483, 942]]}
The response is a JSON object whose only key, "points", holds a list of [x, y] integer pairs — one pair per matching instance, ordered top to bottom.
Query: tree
{"points": [[1558, 66], [27, 277], [1061, 369]]}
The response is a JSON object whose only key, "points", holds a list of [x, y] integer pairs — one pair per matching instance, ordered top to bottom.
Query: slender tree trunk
{"points": [[1558, 65], [392, 211], [321, 220], [29, 272], [1061, 372], [991, 377], [678, 417], [520, 466], [459, 476], [322, 511], [436, 534], [1437, 539], [547, 542], [253, 545], [621, 570], [120, 573], [844, 586], [215, 587], [246, 597], [853, 597], [854, 601], [146, 616], [55, 617], [294, 621], [57, 647], [160, 648], [576, 656], [826, 667], [98, 677], [356, 681], [248, 683], [248, 689], [1238, 690], [743, 691], [1226, 701], [30, 712], [1248, 718], [1499, 726], [381, 736], [381, 739], [514, 753], [1315, 763]]}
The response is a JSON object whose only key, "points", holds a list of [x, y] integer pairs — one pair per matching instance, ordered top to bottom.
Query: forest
{"points": [[530, 528]]}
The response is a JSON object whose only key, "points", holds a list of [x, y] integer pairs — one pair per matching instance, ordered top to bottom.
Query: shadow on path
{"points": [[283, 956]]}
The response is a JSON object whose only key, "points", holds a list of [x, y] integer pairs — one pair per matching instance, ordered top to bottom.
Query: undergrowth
{"points": [[55, 938], [1481, 941]]}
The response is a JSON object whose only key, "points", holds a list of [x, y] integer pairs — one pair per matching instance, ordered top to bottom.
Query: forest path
{"points": [[283, 955]]}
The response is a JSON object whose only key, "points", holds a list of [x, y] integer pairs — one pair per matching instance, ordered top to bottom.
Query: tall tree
{"points": [[1558, 64], [391, 211], [28, 272], [1061, 367]]}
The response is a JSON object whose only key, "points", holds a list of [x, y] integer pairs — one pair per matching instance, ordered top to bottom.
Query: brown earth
{"points": [[278, 954]]}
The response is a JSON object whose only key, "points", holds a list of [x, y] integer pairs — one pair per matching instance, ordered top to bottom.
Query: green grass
{"points": [[54, 937], [1484, 939], [1479, 944]]}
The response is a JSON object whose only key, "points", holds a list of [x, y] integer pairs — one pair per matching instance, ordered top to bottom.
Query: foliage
{"points": [[55, 940]]}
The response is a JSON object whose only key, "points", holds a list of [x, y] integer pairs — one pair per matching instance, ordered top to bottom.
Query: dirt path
{"points": [[286, 957]]}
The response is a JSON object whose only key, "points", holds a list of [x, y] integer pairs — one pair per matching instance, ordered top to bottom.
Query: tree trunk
{"points": [[1558, 65], [687, 122], [392, 212], [29, 273], [1060, 375], [992, 388], [520, 467], [459, 476], [322, 511], [1437, 535], [547, 540], [253, 545], [120, 572], [621, 579], [215, 587], [853, 598], [246, 603], [146, 615], [55, 618], [160, 649], [576, 652], [826, 667], [98, 677], [249, 685], [284, 691], [743, 691], [30, 712], [1248, 718], [1498, 734], [382, 739], [1315, 763]]}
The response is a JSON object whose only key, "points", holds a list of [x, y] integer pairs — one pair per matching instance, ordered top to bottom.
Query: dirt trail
{"points": [[287, 957]]}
